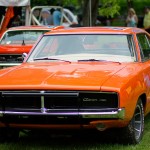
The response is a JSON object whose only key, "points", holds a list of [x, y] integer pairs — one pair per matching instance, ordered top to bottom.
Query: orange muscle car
{"points": [[18, 40], [87, 77]]}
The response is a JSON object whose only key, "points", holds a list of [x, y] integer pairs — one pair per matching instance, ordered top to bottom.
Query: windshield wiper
{"points": [[47, 58], [91, 60], [98, 60]]}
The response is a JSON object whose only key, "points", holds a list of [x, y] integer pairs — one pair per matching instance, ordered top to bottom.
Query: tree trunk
{"points": [[130, 3], [86, 12]]}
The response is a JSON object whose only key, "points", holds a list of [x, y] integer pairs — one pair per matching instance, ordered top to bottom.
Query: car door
{"points": [[144, 44]]}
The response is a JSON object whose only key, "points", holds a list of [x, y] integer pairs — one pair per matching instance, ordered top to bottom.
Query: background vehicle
{"points": [[18, 40]]}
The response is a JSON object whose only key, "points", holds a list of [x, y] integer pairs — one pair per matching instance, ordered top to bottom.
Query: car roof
{"points": [[33, 28], [103, 30]]}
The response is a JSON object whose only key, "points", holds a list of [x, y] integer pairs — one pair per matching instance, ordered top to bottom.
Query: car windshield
{"points": [[21, 37], [97, 47]]}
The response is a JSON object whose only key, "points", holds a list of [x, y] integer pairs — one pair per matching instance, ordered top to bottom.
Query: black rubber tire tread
{"points": [[128, 132], [9, 134]]}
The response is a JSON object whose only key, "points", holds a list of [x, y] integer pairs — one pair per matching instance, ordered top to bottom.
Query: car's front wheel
{"points": [[134, 131], [9, 134]]}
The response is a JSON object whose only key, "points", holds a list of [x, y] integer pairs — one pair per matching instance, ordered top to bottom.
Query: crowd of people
{"points": [[53, 16], [132, 19]]}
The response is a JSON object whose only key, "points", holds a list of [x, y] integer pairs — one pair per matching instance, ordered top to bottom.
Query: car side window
{"points": [[144, 44]]}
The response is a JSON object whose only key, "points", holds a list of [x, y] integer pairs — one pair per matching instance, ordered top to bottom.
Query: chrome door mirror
{"points": [[24, 55]]}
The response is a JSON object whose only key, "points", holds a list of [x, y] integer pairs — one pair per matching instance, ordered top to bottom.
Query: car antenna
{"points": [[23, 43]]}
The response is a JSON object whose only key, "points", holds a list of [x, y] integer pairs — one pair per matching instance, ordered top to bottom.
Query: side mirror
{"points": [[24, 55]]}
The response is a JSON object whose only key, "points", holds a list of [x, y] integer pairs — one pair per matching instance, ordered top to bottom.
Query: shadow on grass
{"points": [[69, 139], [76, 139], [46, 141]]}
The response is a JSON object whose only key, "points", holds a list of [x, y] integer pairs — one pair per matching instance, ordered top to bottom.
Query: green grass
{"points": [[46, 141]]}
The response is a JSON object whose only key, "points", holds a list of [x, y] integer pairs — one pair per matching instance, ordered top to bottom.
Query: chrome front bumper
{"points": [[5, 65], [83, 113], [116, 114]]}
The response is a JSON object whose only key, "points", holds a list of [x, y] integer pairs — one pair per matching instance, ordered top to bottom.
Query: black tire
{"points": [[133, 133], [8, 134], [12, 134], [2, 137]]}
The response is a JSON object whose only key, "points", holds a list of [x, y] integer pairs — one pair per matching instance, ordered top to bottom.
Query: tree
{"points": [[129, 3], [109, 9], [86, 12]]}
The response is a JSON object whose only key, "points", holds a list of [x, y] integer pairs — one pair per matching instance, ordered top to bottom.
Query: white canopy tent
{"points": [[14, 3]]}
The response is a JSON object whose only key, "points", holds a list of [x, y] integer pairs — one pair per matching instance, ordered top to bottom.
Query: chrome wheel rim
{"points": [[138, 122]]}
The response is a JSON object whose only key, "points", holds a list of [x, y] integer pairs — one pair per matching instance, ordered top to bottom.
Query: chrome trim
{"points": [[9, 64], [40, 93], [43, 109], [1, 113], [118, 114]]}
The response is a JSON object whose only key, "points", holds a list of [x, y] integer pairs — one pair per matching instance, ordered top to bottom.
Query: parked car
{"points": [[18, 40], [86, 77]]}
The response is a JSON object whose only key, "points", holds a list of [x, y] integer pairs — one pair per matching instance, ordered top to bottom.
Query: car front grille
{"points": [[11, 58], [37, 101], [52, 107]]}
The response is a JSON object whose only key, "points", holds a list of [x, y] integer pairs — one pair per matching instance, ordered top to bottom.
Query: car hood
{"points": [[14, 49], [62, 76]]}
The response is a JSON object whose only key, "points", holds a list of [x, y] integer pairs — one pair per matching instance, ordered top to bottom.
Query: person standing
{"points": [[46, 17], [57, 17], [132, 19], [146, 22]]}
